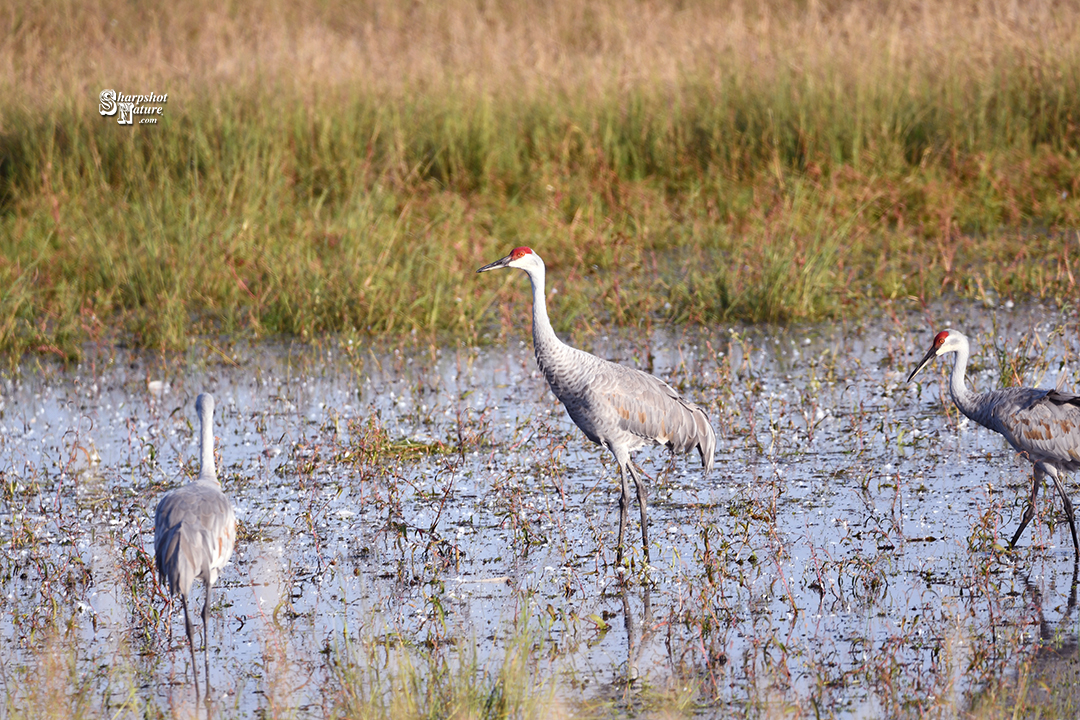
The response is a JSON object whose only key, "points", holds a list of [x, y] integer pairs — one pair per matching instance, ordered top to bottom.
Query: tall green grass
{"points": [[324, 167]]}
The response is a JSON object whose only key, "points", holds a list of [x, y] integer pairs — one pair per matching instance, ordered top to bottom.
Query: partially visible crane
{"points": [[617, 407], [1042, 425], [195, 531]]}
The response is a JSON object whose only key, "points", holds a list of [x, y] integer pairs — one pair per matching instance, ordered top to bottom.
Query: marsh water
{"points": [[846, 556]]}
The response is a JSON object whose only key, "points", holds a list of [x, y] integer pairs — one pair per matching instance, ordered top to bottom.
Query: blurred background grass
{"points": [[345, 167]]}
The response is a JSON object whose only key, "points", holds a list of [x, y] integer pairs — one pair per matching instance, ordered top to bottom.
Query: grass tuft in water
{"points": [[393, 677]]}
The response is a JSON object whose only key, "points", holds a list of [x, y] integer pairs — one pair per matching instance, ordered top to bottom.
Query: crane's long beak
{"points": [[496, 265], [930, 355]]}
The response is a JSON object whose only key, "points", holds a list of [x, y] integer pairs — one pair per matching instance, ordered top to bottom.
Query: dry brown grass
{"points": [[64, 49], [786, 160]]}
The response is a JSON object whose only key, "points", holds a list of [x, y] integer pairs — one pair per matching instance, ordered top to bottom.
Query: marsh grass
{"points": [[339, 168], [1027, 363], [393, 677], [1044, 685]]}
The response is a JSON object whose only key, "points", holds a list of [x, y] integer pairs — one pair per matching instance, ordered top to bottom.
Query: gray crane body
{"points": [[620, 408], [624, 409], [1042, 425], [195, 530], [192, 537]]}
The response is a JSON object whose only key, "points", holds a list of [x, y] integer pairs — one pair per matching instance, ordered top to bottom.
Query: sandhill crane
{"points": [[617, 407], [1042, 425], [195, 530]]}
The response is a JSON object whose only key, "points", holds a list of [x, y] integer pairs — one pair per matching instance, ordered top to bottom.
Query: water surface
{"points": [[843, 557]]}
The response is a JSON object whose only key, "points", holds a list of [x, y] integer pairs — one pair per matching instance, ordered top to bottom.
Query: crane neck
{"points": [[544, 336], [964, 398], [206, 450]]}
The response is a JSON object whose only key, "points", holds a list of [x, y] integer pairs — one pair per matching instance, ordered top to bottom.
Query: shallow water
{"points": [[840, 557]]}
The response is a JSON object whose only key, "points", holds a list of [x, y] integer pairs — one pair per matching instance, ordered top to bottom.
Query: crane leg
{"points": [[642, 497], [624, 500], [1030, 511], [1069, 513], [205, 613], [205, 631], [191, 645]]}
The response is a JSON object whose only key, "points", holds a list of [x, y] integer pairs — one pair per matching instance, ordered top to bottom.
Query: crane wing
{"points": [[649, 408], [1043, 424], [194, 535]]}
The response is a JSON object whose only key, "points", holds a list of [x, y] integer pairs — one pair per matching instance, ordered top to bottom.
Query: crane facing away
{"points": [[617, 407], [1042, 425], [194, 531]]}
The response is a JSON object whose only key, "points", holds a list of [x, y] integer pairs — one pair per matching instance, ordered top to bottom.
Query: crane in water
{"points": [[617, 407], [1042, 425], [194, 531]]}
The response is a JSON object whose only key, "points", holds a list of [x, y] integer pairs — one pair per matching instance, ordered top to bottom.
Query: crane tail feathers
{"points": [[706, 439], [174, 555], [168, 562]]}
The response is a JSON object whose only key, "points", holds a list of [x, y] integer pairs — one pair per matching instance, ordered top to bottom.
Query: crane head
{"points": [[519, 257], [946, 341], [204, 406]]}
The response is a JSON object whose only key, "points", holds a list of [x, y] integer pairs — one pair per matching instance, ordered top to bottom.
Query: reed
{"points": [[330, 167]]}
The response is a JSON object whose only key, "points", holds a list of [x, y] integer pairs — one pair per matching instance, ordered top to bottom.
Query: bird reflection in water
{"points": [[637, 633], [1056, 662]]}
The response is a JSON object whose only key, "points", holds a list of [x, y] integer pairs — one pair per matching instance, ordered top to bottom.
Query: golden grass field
{"points": [[343, 167]]}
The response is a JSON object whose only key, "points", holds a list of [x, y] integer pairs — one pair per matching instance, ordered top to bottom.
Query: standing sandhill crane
{"points": [[617, 407], [1042, 425], [195, 530]]}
